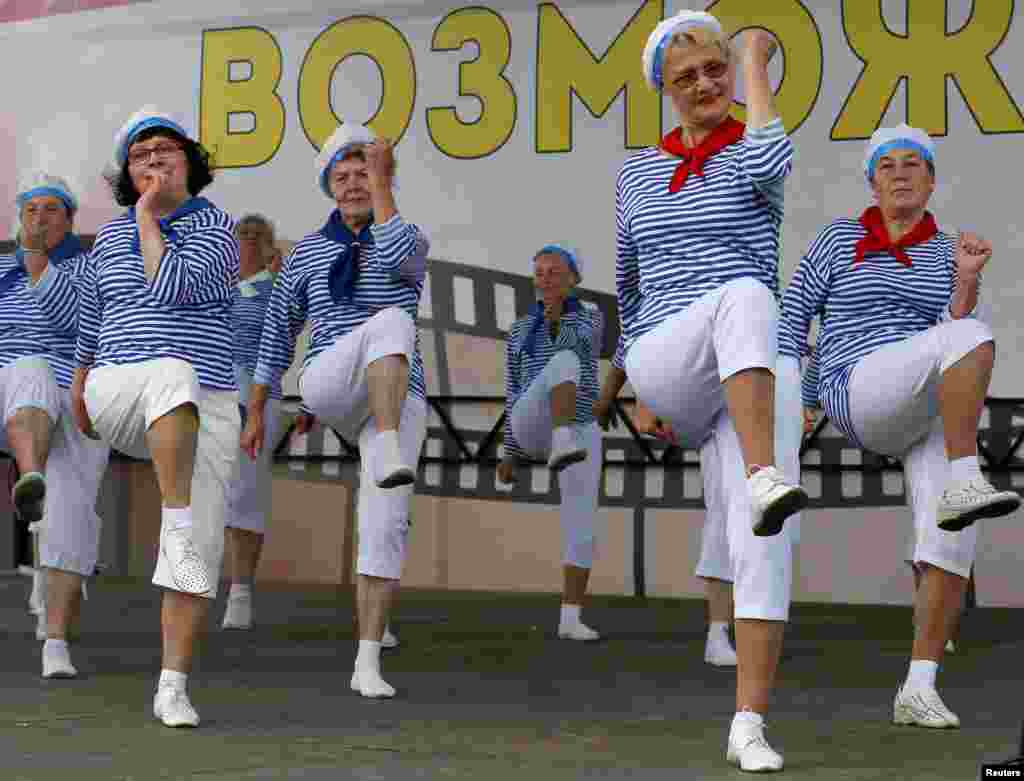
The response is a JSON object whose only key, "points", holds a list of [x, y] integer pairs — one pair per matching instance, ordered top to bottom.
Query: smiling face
{"points": [[700, 80], [902, 182], [350, 186], [49, 215], [552, 276]]}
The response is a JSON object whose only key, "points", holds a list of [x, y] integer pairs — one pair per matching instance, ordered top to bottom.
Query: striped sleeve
{"points": [[768, 159], [401, 250], [627, 267], [200, 268], [57, 294], [805, 297], [90, 309], [282, 324], [577, 334], [619, 359], [809, 382], [513, 387]]}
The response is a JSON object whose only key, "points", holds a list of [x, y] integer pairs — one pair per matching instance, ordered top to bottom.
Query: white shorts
{"points": [[334, 387], [124, 401], [894, 410], [249, 495], [69, 535]]}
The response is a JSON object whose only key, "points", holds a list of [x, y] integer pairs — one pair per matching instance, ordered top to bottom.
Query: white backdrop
{"points": [[73, 78]]}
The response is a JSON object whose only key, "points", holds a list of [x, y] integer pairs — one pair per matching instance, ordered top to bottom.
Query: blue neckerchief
{"points": [[169, 234], [69, 247], [341, 279], [569, 305]]}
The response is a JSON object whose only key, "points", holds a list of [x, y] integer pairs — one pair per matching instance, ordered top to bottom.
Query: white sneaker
{"points": [[566, 448], [388, 469], [28, 496], [773, 500], [965, 502], [187, 567], [238, 613], [578, 631], [388, 639], [950, 647], [719, 653], [57, 662], [369, 684], [171, 705], [922, 707], [749, 750]]}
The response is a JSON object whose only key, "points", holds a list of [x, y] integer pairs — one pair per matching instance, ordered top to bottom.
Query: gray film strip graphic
{"points": [[636, 473]]}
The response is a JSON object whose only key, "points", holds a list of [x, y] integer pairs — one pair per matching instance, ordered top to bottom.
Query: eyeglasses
{"points": [[713, 70], [162, 152]]}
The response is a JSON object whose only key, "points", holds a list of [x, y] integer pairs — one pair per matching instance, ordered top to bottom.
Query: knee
{"points": [[970, 332], [564, 366], [178, 373]]}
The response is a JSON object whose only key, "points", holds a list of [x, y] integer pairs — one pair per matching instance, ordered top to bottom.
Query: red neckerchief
{"points": [[729, 132], [878, 239]]}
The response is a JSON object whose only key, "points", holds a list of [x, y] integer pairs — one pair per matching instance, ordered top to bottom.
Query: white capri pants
{"points": [[677, 370], [335, 388], [124, 401], [894, 410], [578, 483], [249, 495], [69, 535], [715, 561]]}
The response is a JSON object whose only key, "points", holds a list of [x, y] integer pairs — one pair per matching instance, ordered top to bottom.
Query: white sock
{"points": [[387, 443], [964, 469], [176, 518], [240, 591], [570, 615], [718, 632], [54, 645], [368, 656], [922, 673], [173, 679], [745, 718]]}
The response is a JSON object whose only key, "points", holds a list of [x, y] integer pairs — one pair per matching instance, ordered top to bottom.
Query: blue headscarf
{"points": [[69, 247], [344, 271]]}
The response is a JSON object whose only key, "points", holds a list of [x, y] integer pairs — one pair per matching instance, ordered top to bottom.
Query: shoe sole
{"points": [[573, 457], [396, 479], [28, 501], [994, 510], [775, 517], [236, 627], [60, 675], [910, 721]]}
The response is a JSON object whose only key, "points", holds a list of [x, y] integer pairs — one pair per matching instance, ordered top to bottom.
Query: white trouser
{"points": [[677, 370], [335, 388], [124, 401], [894, 410], [530, 417], [579, 483], [249, 495], [69, 537], [715, 560]]}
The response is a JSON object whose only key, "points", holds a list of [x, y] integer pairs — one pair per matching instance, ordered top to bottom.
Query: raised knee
{"points": [[750, 290], [394, 320]]}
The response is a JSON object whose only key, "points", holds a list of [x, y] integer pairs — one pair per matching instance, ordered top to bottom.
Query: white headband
{"points": [[654, 51], [900, 137], [35, 183]]}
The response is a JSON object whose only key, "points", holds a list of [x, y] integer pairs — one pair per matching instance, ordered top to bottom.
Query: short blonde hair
{"points": [[701, 36]]}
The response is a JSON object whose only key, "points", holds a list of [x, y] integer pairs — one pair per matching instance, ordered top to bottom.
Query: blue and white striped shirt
{"points": [[673, 248], [391, 273], [862, 307], [185, 312], [247, 317], [42, 320], [582, 332]]}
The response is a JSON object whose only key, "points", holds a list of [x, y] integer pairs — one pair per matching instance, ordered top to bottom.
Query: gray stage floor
{"points": [[487, 692]]}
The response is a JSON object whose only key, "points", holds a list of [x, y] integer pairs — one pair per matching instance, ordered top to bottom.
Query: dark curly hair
{"points": [[200, 168]]}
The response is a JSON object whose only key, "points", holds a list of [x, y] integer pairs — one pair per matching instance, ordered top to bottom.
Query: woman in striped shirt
{"points": [[697, 223], [358, 282], [38, 324], [154, 367], [904, 368], [550, 390], [248, 500]]}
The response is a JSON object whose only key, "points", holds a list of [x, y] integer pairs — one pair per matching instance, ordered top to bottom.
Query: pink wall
{"points": [[19, 10]]}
